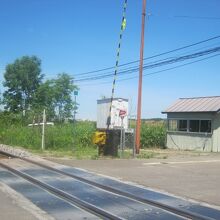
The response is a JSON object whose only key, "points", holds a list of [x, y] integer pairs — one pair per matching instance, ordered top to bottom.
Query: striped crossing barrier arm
{"points": [[123, 26]]}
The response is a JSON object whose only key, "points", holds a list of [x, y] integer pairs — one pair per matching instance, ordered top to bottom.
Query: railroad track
{"points": [[61, 194], [89, 207]]}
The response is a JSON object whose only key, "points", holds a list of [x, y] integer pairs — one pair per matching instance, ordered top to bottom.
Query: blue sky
{"points": [[76, 36]]}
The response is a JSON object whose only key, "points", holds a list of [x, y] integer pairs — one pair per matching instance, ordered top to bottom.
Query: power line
{"points": [[184, 16], [196, 17], [154, 56], [152, 62], [155, 65], [178, 66], [122, 70], [156, 72]]}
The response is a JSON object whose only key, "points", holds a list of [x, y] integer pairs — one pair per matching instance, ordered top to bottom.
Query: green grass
{"points": [[72, 140], [146, 155]]}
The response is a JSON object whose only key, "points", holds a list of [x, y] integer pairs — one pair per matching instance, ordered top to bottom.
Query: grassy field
{"points": [[72, 139]]}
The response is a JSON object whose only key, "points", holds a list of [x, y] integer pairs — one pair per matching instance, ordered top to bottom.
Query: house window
{"points": [[172, 125], [177, 125], [182, 125], [194, 125], [199, 126], [202, 126], [205, 126]]}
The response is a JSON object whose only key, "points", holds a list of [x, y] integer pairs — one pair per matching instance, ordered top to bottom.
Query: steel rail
{"points": [[63, 195], [183, 213]]}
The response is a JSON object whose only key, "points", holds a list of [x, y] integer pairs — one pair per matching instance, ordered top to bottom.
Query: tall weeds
{"points": [[153, 135], [72, 137]]}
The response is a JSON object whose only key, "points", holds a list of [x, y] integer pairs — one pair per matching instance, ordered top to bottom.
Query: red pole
{"points": [[138, 124]]}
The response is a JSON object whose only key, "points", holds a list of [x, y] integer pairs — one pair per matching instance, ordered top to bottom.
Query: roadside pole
{"points": [[75, 107], [122, 114], [138, 125], [43, 130], [122, 138]]}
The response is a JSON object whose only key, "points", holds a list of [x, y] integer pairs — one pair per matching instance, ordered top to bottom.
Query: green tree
{"points": [[22, 79], [63, 88], [56, 97], [45, 99]]}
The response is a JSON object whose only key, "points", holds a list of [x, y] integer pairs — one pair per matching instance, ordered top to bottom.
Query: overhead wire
{"points": [[184, 16], [196, 17], [150, 57], [152, 62], [155, 65], [178, 66], [124, 69], [155, 72], [81, 75]]}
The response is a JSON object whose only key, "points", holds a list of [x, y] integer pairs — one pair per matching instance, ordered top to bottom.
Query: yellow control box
{"points": [[99, 138]]}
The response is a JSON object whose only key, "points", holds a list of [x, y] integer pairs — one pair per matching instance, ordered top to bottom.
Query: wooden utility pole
{"points": [[138, 126]]}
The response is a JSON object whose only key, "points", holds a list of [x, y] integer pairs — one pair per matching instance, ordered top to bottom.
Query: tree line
{"points": [[28, 92]]}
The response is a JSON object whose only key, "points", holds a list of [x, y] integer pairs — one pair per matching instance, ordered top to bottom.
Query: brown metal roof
{"points": [[196, 104]]}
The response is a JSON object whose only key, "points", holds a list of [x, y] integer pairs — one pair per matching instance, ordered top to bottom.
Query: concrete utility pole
{"points": [[138, 126]]}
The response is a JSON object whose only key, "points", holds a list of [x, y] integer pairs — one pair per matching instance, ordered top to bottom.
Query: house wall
{"points": [[191, 115], [216, 134], [191, 140]]}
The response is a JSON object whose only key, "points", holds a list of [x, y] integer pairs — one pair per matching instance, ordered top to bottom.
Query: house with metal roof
{"points": [[194, 124]]}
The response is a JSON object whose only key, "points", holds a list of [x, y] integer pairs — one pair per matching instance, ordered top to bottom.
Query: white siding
{"points": [[103, 113], [191, 115], [216, 134], [189, 141]]}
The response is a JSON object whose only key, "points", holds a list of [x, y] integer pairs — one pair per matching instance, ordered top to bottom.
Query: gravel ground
{"points": [[14, 150]]}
